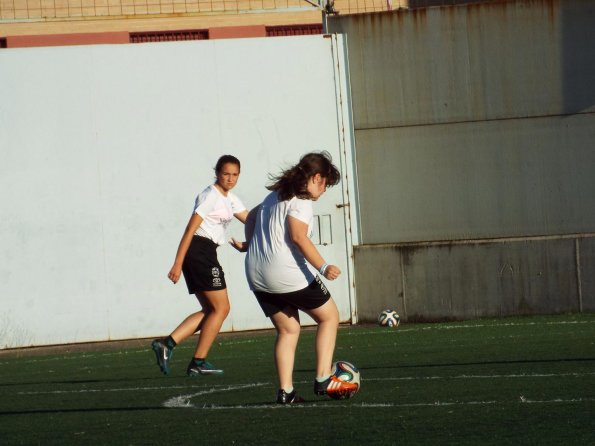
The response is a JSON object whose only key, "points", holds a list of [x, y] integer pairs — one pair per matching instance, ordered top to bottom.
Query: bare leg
{"points": [[216, 308], [327, 318], [287, 323], [188, 326], [162, 348]]}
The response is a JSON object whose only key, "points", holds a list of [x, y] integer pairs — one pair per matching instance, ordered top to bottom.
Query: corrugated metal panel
{"points": [[169, 36], [494, 60], [474, 121], [509, 178], [586, 254]]}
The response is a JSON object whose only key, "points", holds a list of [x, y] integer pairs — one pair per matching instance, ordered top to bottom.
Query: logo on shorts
{"points": [[216, 279], [322, 287]]}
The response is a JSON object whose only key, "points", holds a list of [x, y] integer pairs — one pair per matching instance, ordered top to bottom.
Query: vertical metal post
{"points": [[577, 253], [403, 284]]}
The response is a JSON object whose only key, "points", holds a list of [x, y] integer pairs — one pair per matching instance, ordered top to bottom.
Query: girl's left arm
{"points": [[242, 215], [249, 220], [240, 246]]}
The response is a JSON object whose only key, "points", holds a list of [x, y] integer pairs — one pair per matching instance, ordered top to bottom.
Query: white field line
{"points": [[439, 326], [401, 329], [76, 356], [512, 376], [227, 387], [121, 389], [184, 400], [556, 400], [331, 405]]}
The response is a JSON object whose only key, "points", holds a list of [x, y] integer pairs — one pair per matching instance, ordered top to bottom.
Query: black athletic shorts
{"points": [[201, 268], [313, 296]]}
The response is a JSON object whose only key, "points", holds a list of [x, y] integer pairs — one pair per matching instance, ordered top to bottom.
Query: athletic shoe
{"points": [[163, 354], [202, 368], [334, 387], [288, 398]]}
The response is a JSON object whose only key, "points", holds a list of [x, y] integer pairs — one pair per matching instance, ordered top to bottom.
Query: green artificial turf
{"points": [[514, 381]]}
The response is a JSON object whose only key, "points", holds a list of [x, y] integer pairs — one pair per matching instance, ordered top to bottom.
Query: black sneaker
{"points": [[163, 354], [202, 368], [320, 387], [288, 398]]}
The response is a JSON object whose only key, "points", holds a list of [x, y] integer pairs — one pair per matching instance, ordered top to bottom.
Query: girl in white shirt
{"points": [[196, 258], [282, 268]]}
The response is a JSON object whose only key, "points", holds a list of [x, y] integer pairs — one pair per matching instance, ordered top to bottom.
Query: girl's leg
{"points": [[216, 308], [327, 318], [287, 323], [188, 326], [163, 348]]}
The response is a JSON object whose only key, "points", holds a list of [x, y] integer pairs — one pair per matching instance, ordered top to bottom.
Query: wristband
{"points": [[323, 268]]}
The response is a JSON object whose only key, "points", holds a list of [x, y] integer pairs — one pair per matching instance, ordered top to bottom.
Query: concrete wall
{"points": [[474, 123], [103, 150], [476, 279]]}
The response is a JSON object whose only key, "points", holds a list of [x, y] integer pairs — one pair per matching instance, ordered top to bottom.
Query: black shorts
{"points": [[201, 268], [313, 296]]}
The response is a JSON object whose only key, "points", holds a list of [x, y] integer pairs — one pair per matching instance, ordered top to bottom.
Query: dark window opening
{"points": [[294, 30], [169, 36]]}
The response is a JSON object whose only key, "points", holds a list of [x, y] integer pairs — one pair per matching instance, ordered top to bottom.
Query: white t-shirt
{"points": [[216, 211], [274, 264]]}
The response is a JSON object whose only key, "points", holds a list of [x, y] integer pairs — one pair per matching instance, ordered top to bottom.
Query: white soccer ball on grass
{"points": [[389, 318]]}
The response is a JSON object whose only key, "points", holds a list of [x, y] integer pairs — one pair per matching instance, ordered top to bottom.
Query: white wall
{"points": [[103, 150]]}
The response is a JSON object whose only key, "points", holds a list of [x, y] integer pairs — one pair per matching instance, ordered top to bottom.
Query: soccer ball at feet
{"points": [[389, 318], [345, 371]]}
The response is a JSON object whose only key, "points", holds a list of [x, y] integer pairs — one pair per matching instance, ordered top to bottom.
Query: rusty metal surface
{"points": [[496, 60], [474, 121], [474, 129], [489, 179], [586, 254], [378, 276], [468, 281]]}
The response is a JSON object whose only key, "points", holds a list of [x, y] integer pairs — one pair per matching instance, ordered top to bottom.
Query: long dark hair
{"points": [[225, 159], [293, 182]]}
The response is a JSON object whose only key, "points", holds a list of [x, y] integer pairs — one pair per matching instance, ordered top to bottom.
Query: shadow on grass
{"points": [[88, 381], [255, 405]]}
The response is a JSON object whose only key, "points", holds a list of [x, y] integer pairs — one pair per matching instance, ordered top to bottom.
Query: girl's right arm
{"points": [[191, 227]]}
